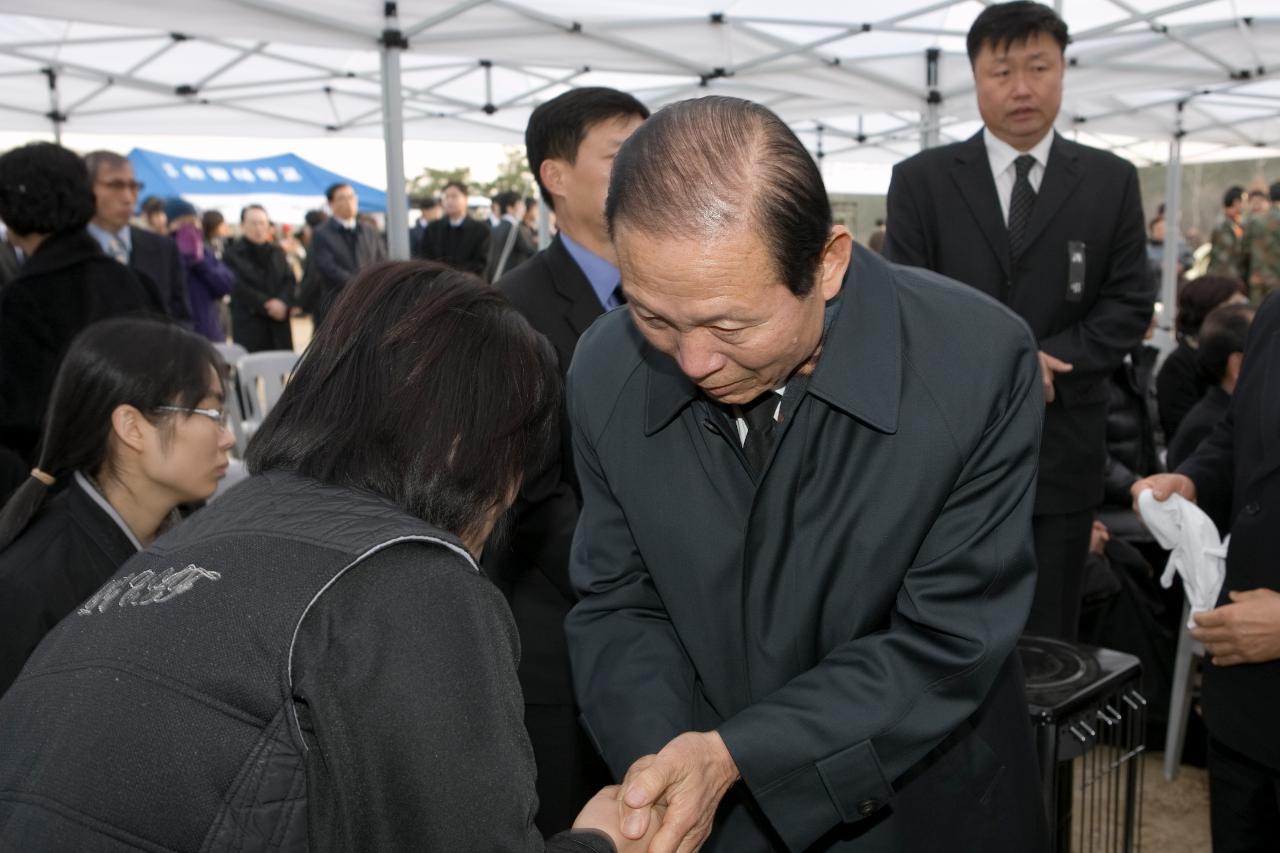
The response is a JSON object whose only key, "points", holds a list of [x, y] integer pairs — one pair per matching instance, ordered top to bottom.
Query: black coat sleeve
{"points": [[904, 236], [406, 675]]}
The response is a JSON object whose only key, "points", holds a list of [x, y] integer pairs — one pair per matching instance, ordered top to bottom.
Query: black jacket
{"points": [[944, 215], [523, 247], [467, 248], [155, 257], [262, 273], [66, 285], [1180, 384], [1197, 424], [1131, 437], [1237, 475], [69, 550], [848, 624], [296, 667]]}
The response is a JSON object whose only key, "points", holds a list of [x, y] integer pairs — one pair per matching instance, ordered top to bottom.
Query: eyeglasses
{"points": [[120, 185], [218, 416]]}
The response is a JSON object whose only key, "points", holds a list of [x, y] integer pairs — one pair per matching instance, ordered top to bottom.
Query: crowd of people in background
{"points": [[114, 429]]}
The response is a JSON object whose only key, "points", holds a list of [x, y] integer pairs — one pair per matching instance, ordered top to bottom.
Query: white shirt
{"points": [[1001, 156], [349, 224], [741, 423]]}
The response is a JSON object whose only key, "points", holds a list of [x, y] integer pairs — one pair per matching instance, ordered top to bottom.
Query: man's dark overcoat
{"points": [[1237, 475], [847, 625]]}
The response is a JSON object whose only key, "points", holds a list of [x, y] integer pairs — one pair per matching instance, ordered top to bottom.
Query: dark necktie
{"points": [[1020, 204], [619, 298], [761, 430]]}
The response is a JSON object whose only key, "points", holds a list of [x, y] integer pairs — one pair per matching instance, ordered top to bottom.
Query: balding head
{"points": [[707, 167]]}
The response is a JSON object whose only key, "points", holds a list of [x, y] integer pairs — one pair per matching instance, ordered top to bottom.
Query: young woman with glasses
{"points": [[135, 429]]}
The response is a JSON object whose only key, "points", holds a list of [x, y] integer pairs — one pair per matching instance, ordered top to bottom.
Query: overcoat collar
{"points": [[859, 372]]}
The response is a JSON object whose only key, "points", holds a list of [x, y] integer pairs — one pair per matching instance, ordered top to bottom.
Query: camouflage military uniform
{"points": [[1262, 238], [1228, 254]]}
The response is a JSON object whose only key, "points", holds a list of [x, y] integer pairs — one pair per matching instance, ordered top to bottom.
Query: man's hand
{"points": [[276, 309], [1049, 367], [1162, 486], [1245, 631], [690, 775], [604, 814]]}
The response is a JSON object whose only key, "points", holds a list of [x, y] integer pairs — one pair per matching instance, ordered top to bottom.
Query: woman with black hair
{"points": [[66, 283], [1182, 381], [130, 437], [315, 660]]}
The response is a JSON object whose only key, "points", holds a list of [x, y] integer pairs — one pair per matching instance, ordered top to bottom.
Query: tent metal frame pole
{"points": [[390, 45], [55, 113], [931, 120], [1172, 228]]}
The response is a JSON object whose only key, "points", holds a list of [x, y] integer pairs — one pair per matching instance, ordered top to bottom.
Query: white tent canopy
{"points": [[857, 79]]}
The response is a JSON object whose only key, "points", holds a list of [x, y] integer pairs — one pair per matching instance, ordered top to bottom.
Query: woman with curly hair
{"points": [[65, 284]]}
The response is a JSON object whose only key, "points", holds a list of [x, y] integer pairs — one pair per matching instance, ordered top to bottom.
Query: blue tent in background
{"points": [[165, 175]]}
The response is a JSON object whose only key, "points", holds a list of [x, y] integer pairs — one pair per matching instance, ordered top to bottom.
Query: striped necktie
{"points": [[1020, 204]]}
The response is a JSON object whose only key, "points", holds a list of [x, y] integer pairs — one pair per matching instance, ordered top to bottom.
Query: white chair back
{"points": [[231, 354], [262, 377]]}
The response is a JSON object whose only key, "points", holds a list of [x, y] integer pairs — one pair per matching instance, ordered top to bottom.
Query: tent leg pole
{"points": [[391, 44], [1172, 233]]}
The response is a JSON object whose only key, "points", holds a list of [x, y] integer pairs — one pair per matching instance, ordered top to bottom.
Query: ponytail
{"points": [[23, 505]]}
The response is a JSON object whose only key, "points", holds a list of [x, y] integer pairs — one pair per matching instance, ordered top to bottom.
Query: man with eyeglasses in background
{"points": [[152, 256]]}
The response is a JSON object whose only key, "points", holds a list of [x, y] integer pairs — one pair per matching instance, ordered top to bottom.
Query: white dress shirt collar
{"points": [[1001, 155]]}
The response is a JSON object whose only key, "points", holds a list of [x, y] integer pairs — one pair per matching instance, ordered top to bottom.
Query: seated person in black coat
{"points": [[65, 284], [263, 287], [1222, 338], [1181, 381], [130, 437], [319, 663]]}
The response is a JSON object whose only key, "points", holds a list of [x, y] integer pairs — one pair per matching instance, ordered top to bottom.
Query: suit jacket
{"points": [[944, 215], [469, 252], [156, 258], [334, 263], [64, 286], [1237, 473], [66, 553], [532, 567], [852, 643]]}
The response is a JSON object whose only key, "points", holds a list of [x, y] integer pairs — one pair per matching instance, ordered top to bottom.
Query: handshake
{"points": [[667, 802]]}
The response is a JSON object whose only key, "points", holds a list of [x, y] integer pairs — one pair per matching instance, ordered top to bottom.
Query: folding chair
{"points": [[231, 354], [262, 376]]}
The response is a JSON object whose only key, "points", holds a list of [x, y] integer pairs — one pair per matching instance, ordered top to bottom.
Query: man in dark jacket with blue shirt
{"points": [[804, 553]]}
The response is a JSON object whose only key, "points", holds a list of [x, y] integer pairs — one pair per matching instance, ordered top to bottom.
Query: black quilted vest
{"points": [[159, 716]]}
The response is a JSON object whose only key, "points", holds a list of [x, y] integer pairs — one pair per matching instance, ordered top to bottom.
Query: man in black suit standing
{"points": [[571, 141], [428, 211], [1054, 230], [456, 238], [340, 248], [153, 256], [1235, 475]]}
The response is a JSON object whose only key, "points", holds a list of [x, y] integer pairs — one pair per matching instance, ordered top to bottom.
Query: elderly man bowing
{"points": [[805, 550]]}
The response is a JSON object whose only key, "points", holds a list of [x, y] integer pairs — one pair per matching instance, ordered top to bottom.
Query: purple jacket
{"points": [[208, 280]]}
